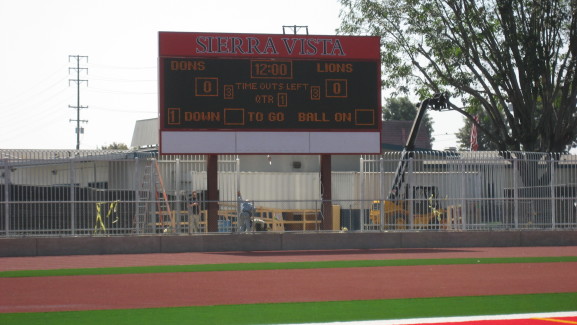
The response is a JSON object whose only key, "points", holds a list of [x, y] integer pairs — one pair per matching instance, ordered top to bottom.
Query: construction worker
{"points": [[246, 209], [193, 213]]}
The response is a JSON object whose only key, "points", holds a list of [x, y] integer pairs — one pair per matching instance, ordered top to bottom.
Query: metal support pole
{"points": [[237, 176], [7, 184], [552, 186], [178, 192], [382, 195], [463, 195], [515, 195], [72, 198], [411, 198], [362, 203]]}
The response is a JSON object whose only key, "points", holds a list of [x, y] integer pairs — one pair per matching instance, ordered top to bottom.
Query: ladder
{"points": [[151, 181], [143, 191], [162, 204]]}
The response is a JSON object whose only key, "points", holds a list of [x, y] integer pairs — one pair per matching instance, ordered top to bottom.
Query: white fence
{"points": [[480, 190], [81, 193]]}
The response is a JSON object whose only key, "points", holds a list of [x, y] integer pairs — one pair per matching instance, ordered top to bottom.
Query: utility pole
{"points": [[78, 81]]}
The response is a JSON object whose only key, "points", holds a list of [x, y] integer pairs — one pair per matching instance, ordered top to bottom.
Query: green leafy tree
{"points": [[516, 58], [402, 109], [115, 146]]}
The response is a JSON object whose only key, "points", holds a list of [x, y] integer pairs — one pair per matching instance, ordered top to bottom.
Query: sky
{"points": [[118, 42]]}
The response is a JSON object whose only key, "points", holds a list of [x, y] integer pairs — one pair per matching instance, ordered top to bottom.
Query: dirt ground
{"points": [[39, 294]]}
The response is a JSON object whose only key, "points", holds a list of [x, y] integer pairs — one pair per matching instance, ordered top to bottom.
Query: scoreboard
{"points": [[244, 93], [218, 94]]}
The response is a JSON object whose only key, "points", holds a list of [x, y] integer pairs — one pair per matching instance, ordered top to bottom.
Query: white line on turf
{"points": [[409, 321]]}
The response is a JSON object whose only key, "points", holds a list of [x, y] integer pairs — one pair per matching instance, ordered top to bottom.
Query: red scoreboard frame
{"points": [[258, 93]]}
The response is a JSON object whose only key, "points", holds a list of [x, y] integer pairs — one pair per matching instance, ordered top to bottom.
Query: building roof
{"points": [[145, 133], [393, 136], [32, 157]]}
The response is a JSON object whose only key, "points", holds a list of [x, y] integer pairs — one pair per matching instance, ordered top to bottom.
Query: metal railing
{"points": [[100, 194]]}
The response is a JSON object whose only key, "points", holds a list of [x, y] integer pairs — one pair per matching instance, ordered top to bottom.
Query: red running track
{"points": [[211, 288]]}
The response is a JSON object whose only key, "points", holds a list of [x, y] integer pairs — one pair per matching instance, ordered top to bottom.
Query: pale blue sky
{"points": [[120, 39]]}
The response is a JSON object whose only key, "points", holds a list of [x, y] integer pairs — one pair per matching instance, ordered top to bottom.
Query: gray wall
{"points": [[10, 247]]}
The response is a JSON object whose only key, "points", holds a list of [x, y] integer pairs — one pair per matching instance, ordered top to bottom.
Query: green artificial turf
{"points": [[279, 266], [308, 312]]}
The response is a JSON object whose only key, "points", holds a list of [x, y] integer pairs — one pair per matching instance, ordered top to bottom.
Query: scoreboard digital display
{"points": [[254, 93], [244, 94]]}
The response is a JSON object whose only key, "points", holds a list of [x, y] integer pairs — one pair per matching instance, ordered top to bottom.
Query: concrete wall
{"points": [[10, 247]]}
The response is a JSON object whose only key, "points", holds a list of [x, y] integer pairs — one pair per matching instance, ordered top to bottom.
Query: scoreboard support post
{"points": [[212, 192], [326, 193]]}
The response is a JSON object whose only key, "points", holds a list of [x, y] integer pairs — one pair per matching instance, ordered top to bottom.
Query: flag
{"points": [[474, 143]]}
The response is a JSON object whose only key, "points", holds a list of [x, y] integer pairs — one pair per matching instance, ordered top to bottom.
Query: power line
{"points": [[124, 67], [114, 79], [78, 81], [42, 85], [121, 92], [121, 110]]}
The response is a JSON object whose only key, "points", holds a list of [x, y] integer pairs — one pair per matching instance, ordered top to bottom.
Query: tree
{"points": [[517, 58], [402, 109], [115, 146]]}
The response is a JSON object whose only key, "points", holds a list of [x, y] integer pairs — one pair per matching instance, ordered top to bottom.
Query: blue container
{"points": [[224, 226]]}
